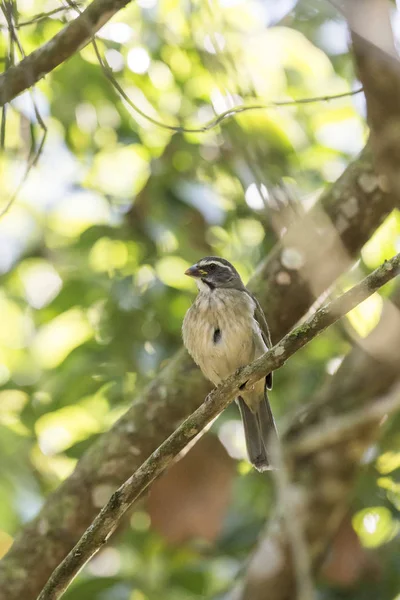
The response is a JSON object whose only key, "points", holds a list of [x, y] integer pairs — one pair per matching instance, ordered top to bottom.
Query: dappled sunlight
{"points": [[138, 60], [347, 135], [120, 172], [256, 197], [77, 212], [18, 231], [385, 242], [108, 255], [171, 271], [41, 282], [366, 316], [16, 325], [55, 340], [12, 403], [61, 429], [232, 437], [388, 462], [53, 466], [392, 488], [375, 526], [5, 543], [106, 564]]}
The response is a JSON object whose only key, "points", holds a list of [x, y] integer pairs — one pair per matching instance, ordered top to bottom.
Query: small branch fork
{"points": [[107, 520]]}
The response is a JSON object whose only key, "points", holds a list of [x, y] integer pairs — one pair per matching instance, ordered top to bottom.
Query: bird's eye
{"points": [[211, 267]]}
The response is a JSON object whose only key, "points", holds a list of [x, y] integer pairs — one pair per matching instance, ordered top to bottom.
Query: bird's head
{"points": [[214, 272]]}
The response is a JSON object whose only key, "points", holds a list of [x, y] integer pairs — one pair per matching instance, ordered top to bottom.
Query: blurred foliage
{"points": [[92, 255]]}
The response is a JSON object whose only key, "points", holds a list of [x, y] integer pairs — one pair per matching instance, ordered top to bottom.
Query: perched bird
{"points": [[224, 329]]}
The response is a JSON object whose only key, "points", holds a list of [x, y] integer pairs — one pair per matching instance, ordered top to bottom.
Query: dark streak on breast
{"points": [[217, 336]]}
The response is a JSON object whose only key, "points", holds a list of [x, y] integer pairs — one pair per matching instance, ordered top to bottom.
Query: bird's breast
{"points": [[220, 333]]}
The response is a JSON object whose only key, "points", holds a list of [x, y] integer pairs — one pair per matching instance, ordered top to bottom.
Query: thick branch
{"points": [[62, 46], [378, 67], [354, 206], [107, 520]]}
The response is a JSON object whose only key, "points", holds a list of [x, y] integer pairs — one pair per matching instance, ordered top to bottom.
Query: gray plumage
{"points": [[223, 330]]}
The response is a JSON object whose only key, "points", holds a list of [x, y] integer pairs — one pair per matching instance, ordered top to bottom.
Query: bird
{"points": [[224, 329]]}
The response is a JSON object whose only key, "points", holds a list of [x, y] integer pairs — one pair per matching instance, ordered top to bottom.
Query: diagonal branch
{"points": [[107, 520]]}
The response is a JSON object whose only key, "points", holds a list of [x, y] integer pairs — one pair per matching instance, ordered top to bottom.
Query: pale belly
{"points": [[220, 341], [219, 359]]}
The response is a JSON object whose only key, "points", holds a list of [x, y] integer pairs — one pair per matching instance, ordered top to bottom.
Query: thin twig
{"points": [[44, 15], [38, 17], [10, 59], [231, 112], [212, 123], [34, 155], [107, 520]]}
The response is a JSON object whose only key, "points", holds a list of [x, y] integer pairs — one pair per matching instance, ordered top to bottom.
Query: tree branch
{"points": [[62, 46], [378, 67], [355, 205], [109, 517]]}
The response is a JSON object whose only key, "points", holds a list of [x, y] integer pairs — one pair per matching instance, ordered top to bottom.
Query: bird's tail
{"points": [[259, 431]]}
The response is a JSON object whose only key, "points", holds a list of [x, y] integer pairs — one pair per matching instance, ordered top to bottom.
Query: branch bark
{"points": [[60, 48], [378, 67], [355, 205], [344, 415], [111, 514]]}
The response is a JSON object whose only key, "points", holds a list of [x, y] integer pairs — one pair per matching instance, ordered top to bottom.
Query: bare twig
{"points": [[10, 15], [44, 15], [38, 17], [10, 58], [227, 114], [212, 123], [107, 520]]}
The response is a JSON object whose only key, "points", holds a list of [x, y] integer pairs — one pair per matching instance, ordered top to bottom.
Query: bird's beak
{"points": [[195, 271]]}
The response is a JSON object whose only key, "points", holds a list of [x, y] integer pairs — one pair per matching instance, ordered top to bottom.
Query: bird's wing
{"points": [[266, 335]]}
